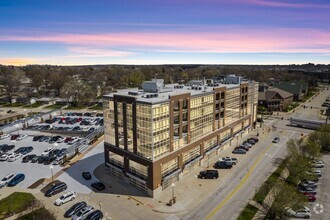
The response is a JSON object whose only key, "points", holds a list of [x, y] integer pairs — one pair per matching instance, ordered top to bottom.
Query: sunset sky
{"points": [[82, 32]]}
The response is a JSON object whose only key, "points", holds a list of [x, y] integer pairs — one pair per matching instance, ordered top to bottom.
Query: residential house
{"points": [[297, 88], [275, 99]]}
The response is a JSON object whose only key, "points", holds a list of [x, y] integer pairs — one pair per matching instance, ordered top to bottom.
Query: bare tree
{"points": [[10, 80]]}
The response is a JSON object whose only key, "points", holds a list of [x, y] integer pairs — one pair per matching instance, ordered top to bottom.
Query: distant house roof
{"points": [[263, 84], [294, 87], [270, 94], [45, 99]]}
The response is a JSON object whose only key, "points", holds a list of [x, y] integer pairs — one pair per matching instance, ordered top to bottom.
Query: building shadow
{"points": [[95, 165]]}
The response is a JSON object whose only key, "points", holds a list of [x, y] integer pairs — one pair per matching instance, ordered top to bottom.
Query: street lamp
{"points": [[51, 170], [173, 198], [100, 204]]}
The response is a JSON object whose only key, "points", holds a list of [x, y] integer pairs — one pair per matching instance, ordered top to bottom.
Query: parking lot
{"points": [[57, 133], [32, 171]]}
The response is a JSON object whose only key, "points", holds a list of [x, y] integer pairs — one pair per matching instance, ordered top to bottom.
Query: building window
{"points": [[191, 155], [116, 160], [169, 167], [138, 170]]}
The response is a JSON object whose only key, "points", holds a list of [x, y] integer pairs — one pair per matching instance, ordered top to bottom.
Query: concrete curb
{"points": [[169, 211]]}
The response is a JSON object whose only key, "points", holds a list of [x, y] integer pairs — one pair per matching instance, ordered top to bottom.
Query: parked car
{"points": [[4, 136], [14, 137], [21, 137], [253, 138], [68, 139], [60, 140], [276, 140], [251, 141], [246, 144], [243, 147], [27, 150], [239, 151], [46, 152], [62, 152], [5, 157], [14, 157], [28, 158], [35, 159], [41, 159], [49, 160], [229, 160], [317, 164], [222, 165], [315, 172], [208, 174], [87, 175], [6, 179], [16, 179], [308, 183], [98, 185], [53, 190], [308, 190], [69, 196], [310, 197], [74, 209], [83, 213], [301, 213], [95, 215]]}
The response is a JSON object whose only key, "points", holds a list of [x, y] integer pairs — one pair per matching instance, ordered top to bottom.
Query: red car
{"points": [[14, 136], [68, 139], [311, 197]]}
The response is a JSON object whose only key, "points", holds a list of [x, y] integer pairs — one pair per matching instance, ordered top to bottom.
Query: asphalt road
{"points": [[228, 201]]}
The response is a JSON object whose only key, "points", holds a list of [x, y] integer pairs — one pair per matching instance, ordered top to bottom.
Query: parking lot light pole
{"points": [[55, 145], [51, 170], [100, 203]]}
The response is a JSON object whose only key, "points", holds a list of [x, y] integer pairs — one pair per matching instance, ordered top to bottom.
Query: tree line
{"points": [[86, 83]]}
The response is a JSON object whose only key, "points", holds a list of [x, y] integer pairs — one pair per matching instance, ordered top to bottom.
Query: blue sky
{"points": [[164, 32]]}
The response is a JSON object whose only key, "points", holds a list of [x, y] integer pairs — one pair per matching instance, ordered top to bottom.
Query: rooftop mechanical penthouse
{"points": [[155, 135]]}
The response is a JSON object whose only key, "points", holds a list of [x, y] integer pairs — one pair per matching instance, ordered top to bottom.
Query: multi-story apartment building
{"points": [[155, 135]]}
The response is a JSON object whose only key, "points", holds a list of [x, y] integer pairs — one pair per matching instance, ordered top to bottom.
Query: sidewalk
{"points": [[189, 191]]}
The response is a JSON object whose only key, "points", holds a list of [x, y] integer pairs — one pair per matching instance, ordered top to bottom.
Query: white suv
{"points": [[6, 179], [70, 196], [83, 213]]}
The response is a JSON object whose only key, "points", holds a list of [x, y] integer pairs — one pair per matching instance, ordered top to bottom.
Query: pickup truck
{"points": [[229, 160]]}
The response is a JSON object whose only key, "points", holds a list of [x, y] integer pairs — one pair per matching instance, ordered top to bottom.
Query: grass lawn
{"points": [[13, 105], [35, 105], [55, 106], [76, 107], [96, 107], [268, 185], [15, 203], [248, 213], [39, 214]]}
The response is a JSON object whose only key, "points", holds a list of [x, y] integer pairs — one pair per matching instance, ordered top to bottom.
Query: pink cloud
{"points": [[287, 4], [233, 40], [95, 52]]}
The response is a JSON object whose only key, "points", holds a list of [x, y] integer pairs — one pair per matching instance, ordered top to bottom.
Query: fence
{"points": [[24, 123], [83, 144]]}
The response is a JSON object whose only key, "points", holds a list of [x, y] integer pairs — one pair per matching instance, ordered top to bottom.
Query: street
{"points": [[228, 201]]}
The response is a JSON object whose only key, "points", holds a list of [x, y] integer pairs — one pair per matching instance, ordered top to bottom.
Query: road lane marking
{"points": [[245, 178]]}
